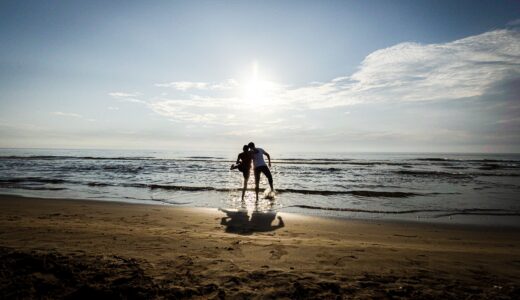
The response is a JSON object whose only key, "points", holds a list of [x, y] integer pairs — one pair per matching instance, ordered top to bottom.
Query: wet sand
{"points": [[73, 248]]}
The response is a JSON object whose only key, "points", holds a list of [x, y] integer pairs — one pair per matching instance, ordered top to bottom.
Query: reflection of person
{"points": [[243, 164], [260, 166], [235, 221], [262, 221], [239, 222]]}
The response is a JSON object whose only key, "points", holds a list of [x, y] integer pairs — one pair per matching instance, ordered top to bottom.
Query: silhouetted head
{"points": [[251, 145], [245, 148]]}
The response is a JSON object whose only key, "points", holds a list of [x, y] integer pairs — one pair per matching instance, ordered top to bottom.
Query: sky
{"points": [[304, 76]]}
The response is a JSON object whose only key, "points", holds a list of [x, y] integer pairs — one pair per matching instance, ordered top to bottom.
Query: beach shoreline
{"points": [[477, 218], [58, 247]]}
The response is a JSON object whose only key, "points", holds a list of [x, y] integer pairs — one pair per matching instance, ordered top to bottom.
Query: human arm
{"points": [[268, 158], [238, 159]]}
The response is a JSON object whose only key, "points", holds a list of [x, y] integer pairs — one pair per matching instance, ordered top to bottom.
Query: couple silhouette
{"points": [[250, 153]]}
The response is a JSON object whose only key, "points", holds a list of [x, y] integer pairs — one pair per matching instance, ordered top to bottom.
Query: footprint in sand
{"points": [[235, 249], [277, 252]]}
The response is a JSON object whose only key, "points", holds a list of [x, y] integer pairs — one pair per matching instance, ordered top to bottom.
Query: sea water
{"points": [[466, 188]]}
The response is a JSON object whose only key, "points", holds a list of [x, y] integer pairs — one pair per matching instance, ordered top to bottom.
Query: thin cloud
{"points": [[514, 23], [459, 69], [407, 72], [416, 72], [184, 85], [190, 85], [226, 85], [123, 94], [127, 97], [197, 110], [65, 114], [72, 115], [509, 121]]}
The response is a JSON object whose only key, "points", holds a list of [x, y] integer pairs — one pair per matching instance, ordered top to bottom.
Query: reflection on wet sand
{"points": [[239, 221]]}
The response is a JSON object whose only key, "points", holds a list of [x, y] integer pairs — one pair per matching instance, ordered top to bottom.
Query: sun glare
{"points": [[257, 90]]}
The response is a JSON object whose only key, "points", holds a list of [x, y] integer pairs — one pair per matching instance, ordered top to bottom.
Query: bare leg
{"points": [[267, 174], [270, 178], [246, 179], [257, 183], [257, 189]]}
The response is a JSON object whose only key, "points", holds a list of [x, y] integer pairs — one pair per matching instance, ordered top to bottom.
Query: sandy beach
{"points": [[74, 248]]}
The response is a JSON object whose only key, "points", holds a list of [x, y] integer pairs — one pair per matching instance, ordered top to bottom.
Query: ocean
{"points": [[424, 187]]}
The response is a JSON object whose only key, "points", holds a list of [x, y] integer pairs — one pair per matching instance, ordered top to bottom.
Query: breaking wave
{"points": [[441, 212]]}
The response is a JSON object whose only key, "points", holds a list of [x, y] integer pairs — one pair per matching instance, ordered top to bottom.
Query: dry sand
{"points": [[73, 248]]}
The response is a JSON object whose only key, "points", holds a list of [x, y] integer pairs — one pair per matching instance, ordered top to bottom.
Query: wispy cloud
{"points": [[515, 22], [459, 69], [407, 72], [416, 72], [184, 85], [190, 85], [225, 85], [122, 94], [127, 97], [196, 109], [65, 114], [72, 115], [509, 121]]}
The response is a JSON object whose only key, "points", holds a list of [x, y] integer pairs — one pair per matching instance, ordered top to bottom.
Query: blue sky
{"points": [[305, 75]]}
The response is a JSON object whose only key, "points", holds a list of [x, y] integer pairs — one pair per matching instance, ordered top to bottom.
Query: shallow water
{"points": [[466, 188]]}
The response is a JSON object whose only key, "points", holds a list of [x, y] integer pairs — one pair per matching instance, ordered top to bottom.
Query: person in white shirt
{"points": [[260, 166]]}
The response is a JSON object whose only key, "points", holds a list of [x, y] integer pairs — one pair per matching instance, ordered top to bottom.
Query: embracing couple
{"points": [[243, 164]]}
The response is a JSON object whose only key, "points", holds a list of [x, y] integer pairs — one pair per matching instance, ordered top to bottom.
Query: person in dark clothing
{"points": [[243, 164]]}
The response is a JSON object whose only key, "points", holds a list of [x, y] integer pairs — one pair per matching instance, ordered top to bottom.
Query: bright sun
{"points": [[257, 90]]}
